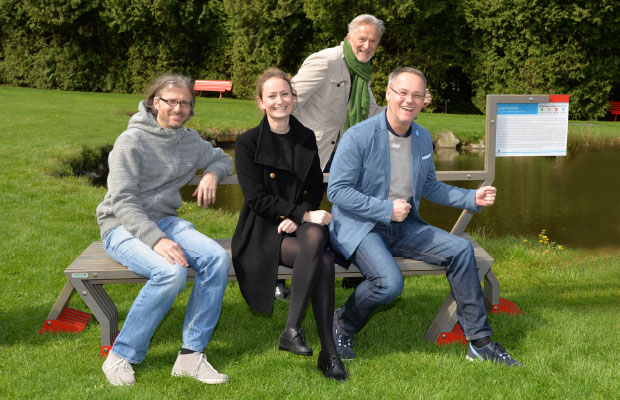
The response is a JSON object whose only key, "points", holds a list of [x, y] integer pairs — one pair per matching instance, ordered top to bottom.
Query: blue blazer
{"points": [[359, 182]]}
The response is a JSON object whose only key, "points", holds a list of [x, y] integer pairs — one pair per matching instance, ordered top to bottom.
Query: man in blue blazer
{"points": [[381, 169]]}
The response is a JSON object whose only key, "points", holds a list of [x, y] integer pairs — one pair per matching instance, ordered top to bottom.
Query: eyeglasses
{"points": [[404, 94], [173, 103]]}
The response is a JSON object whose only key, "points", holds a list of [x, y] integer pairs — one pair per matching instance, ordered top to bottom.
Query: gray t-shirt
{"points": [[401, 178]]}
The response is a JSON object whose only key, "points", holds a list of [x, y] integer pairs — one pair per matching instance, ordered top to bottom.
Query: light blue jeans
{"points": [[204, 255], [384, 282]]}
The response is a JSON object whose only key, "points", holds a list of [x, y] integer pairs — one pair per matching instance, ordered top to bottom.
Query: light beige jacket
{"points": [[323, 85]]}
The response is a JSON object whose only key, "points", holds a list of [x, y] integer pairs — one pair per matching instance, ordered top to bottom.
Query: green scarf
{"points": [[359, 102]]}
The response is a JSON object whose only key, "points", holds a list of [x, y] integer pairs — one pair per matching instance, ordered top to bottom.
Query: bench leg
{"points": [[491, 291], [62, 301], [102, 307], [64, 319], [444, 322], [444, 329]]}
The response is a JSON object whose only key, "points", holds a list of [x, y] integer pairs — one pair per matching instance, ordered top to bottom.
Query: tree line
{"points": [[466, 48]]}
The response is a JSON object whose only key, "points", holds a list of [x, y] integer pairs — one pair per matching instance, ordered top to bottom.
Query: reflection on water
{"points": [[576, 198]]}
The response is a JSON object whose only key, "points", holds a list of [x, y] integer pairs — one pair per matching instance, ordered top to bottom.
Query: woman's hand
{"points": [[320, 217], [287, 226]]}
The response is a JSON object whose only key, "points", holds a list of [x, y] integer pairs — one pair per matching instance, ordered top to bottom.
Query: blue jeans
{"points": [[165, 281], [384, 282]]}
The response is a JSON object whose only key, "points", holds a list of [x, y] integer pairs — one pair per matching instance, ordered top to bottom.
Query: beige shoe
{"points": [[195, 366], [118, 370]]}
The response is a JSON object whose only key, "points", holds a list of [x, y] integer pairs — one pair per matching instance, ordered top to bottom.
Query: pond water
{"points": [[576, 199]]}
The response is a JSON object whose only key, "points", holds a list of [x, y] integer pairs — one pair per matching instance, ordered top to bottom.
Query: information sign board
{"points": [[527, 128]]}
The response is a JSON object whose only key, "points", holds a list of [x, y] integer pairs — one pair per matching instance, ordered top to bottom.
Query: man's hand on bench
{"points": [[206, 190], [171, 251]]}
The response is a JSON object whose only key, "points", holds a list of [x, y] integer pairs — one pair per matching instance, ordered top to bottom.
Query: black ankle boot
{"points": [[293, 340], [332, 366]]}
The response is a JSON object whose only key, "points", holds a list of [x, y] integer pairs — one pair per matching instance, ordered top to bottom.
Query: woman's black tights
{"points": [[313, 276]]}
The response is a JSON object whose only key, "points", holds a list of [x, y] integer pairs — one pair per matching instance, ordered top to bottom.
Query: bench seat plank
{"points": [[95, 265], [94, 268]]}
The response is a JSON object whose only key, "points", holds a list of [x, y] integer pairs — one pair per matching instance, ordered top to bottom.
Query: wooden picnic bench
{"points": [[213, 86], [613, 110], [93, 269]]}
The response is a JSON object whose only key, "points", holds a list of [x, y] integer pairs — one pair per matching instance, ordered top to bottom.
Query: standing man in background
{"points": [[333, 85]]}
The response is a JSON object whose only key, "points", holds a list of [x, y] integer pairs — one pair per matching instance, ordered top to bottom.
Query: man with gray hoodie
{"points": [[140, 228]]}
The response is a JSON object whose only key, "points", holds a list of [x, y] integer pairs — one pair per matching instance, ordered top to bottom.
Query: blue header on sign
{"points": [[517, 108]]}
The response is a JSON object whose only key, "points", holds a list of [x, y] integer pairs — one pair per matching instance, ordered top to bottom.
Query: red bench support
{"points": [[614, 109]]}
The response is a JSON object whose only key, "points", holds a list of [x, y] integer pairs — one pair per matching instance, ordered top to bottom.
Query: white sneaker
{"points": [[195, 365], [118, 370]]}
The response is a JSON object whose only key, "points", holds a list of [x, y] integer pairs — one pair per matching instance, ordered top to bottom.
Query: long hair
{"points": [[164, 82]]}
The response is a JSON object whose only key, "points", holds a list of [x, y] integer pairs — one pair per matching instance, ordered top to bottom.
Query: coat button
{"points": [[272, 175], [305, 192], [282, 217]]}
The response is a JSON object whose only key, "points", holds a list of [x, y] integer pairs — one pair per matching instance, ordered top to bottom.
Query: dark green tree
{"points": [[262, 34], [157, 36], [51, 43], [525, 46], [466, 48]]}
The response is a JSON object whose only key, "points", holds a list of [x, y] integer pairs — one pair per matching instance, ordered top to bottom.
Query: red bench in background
{"points": [[213, 86], [614, 109]]}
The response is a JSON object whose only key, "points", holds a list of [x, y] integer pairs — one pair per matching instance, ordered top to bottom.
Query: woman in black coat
{"points": [[280, 224]]}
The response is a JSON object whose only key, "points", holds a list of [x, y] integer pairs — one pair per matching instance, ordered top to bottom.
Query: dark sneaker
{"points": [[282, 292], [343, 341], [492, 352]]}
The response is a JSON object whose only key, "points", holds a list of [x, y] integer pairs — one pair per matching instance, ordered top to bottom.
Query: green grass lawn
{"points": [[568, 337]]}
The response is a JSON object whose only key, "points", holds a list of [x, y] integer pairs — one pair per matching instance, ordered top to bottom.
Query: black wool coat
{"points": [[272, 192]]}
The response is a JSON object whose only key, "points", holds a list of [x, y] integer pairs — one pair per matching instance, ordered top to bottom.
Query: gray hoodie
{"points": [[148, 166]]}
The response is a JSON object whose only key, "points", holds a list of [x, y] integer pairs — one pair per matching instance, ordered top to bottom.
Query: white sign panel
{"points": [[532, 129]]}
